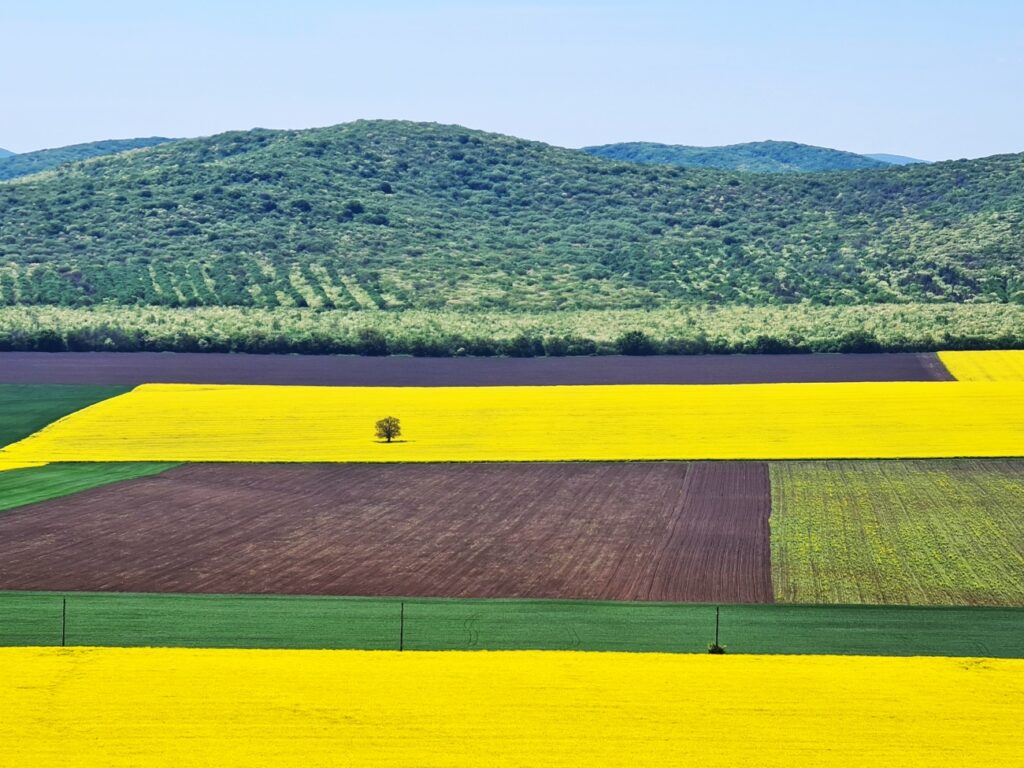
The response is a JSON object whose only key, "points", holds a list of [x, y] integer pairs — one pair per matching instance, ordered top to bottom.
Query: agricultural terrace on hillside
{"points": [[393, 215]]}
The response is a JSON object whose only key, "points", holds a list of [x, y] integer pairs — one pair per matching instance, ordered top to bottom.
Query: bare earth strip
{"points": [[348, 370], [666, 531]]}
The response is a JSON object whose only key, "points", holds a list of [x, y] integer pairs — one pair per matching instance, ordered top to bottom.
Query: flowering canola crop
{"points": [[1003, 365], [168, 422], [7, 466], [172, 707]]}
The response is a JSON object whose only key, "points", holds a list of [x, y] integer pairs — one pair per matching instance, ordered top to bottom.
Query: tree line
{"points": [[683, 330]]}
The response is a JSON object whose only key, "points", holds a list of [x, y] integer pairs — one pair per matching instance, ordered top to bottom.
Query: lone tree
{"points": [[388, 428]]}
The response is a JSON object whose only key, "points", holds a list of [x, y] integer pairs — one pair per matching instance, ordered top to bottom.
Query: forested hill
{"points": [[5, 152], [755, 157], [13, 166], [406, 215]]}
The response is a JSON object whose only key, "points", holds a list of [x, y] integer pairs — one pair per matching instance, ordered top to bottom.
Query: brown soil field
{"points": [[131, 368], [658, 531]]}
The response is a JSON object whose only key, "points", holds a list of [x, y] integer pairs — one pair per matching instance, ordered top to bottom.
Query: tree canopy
{"points": [[12, 166], [397, 216], [388, 428]]}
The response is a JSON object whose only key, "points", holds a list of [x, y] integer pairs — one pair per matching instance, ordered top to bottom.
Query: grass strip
{"points": [[27, 408], [27, 486], [251, 621]]}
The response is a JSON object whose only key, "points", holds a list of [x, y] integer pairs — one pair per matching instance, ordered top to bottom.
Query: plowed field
{"points": [[348, 370], [657, 531]]}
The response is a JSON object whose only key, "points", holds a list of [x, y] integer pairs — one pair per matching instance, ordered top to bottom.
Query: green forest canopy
{"points": [[12, 166], [396, 215]]}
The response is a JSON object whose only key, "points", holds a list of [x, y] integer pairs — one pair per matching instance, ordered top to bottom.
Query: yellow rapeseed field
{"points": [[1003, 365], [168, 422], [5, 465], [78, 708]]}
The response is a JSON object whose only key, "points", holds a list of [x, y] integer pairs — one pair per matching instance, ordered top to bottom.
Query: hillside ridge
{"points": [[755, 156], [896, 159], [13, 166], [401, 215]]}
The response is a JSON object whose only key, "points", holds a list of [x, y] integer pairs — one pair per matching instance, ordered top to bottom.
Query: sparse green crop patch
{"points": [[27, 408], [27, 486], [947, 532]]}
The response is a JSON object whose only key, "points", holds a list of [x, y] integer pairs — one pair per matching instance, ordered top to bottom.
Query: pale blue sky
{"points": [[929, 78]]}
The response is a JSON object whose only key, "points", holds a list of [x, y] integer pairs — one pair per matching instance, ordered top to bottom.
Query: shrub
{"points": [[635, 343]]}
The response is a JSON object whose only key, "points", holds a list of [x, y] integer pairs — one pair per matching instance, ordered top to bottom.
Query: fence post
{"points": [[717, 609], [63, 620], [401, 628]]}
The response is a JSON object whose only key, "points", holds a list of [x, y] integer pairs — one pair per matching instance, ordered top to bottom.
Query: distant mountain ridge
{"points": [[755, 156], [896, 159], [13, 166]]}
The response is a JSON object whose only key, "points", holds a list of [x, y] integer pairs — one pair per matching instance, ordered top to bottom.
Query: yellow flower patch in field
{"points": [[1002, 365], [169, 422], [260, 423], [7, 466], [173, 707]]}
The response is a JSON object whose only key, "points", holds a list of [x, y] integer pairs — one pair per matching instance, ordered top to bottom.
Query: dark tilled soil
{"points": [[346, 370], [669, 531]]}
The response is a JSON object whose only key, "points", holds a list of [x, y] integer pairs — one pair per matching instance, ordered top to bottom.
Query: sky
{"points": [[932, 79]]}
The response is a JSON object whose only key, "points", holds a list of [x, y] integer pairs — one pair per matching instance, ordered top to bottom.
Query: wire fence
{"points": [[80, 619]]}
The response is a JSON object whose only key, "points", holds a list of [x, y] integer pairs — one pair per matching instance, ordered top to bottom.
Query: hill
{"points": [[5, 152], [756, 157], [895, 159], [12, 166], [395, 215]]}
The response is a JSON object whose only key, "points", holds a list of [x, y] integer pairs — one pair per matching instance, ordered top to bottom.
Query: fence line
{"points": [[421, 624]]}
